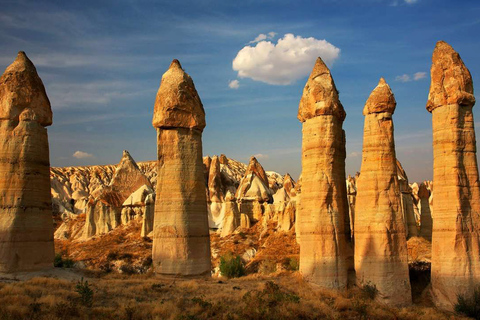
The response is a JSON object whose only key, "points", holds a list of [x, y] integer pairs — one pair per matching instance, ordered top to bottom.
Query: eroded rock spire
{"points": [[323, 221], [456, 223], [26, 230], [380, 234], [181, 244]]}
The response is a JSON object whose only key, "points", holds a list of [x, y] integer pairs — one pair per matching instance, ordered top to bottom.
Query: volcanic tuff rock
{"points": [[254, 185], [407, 202], [104, 208], [425, 213], [456, 220], [323, 222], [26, 231], [380, 235], [181, 243]]}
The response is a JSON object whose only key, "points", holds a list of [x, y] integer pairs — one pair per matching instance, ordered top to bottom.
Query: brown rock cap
{"points": [[451, 82], [22, 94], [320, 96], [380, 100], [177, 104], [255, 167]]}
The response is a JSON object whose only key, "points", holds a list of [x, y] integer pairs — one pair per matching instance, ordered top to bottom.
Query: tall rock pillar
{"points": [[456, 207], [26, 228], [380, 235], [181, 243], [325, 243]]}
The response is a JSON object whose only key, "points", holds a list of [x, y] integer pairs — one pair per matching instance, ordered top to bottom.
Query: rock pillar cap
{"points": [[451, 82], [22, 93], [320, 96], [380, 100], [177, 104]]}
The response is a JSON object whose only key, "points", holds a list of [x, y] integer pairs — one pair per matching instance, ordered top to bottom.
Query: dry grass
{"points": [[285, 296]]}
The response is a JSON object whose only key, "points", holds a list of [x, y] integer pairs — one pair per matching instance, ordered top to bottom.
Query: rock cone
{"points": [[323, 221], [456, 223], [26, 230], [380, 234], [181, 244]]}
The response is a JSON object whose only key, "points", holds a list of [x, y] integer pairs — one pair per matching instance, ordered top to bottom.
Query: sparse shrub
{"points": [[112, 255], [59, 262], [147, 262], [291, 264], [231, 266], [267, 266], [127, 269], [369, 290], [85, 292], [202, 303], [263, 304], [469, 306], [361, 308], [65, 310], [130, 312]]}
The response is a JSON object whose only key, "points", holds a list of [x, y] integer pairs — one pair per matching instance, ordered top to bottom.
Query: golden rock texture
{"points": [[407, 202], [456, 208], [231, 215], [426, 221], [323, 222], [26, 229], [380, 235], [181, 242]]}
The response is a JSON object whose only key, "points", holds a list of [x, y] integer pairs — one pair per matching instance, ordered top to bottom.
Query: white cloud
{"points": [[411, 1], [263, 36], [290, 59], [419, 75], [415, 77], [403, 78], [234, 84], [353, 154], [82, 155], [261, 156]]}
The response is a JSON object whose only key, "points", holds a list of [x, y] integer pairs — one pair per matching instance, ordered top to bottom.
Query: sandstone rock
{"points": [[254, 185], [289, 186], [216, 193], [352, 194], [138, 197], [407, 202], [425, 215], [148, 216], [231, 216], [287, 218], [456, 220], [244, 221], [323, 222], [26, 230], [380, 235], [181, 244]]}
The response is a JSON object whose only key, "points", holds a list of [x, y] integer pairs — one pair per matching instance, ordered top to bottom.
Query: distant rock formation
{"points": [[407, 202], [105, 209], [323, 221], [426, 221], [456, 223], [26, 231], [380, 235], [181, 241]]}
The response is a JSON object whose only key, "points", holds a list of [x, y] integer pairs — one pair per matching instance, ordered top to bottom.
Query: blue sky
{"points": [[102, 61]]}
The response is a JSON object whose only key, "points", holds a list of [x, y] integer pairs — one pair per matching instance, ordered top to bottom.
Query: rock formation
{"points": [[216, 194], [407, 202], [106, 209], [231, 214], [425, 214], [148, 216], [26, 230], [380, 235], [455, 235], [181, 243], [325, 252]]}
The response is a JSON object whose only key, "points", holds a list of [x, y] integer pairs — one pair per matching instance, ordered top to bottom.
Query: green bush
{"points": [[59, 262], [291, 264], [231, 266], [267, 266], [370, 291], [85, 292], [469, 306]]}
